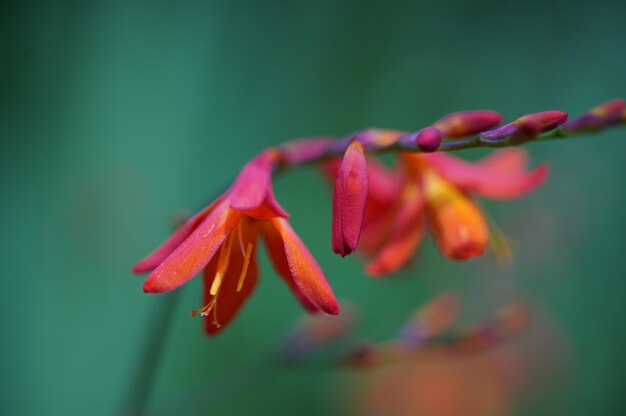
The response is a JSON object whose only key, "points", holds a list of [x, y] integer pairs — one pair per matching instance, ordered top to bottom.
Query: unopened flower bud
{"points": [[603, 115], [543, 121], [467, 123], [527, 127], [428, 139], [349, 197]]}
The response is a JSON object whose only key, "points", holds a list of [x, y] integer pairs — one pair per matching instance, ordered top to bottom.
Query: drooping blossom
{"points": [[433, 191], [222, 240]]}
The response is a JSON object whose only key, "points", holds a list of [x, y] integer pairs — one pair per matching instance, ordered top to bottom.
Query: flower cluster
{"points": [[424, 191], [381, 211]]}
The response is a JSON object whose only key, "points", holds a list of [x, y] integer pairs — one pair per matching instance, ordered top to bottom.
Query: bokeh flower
{"points": [[436, 193]]}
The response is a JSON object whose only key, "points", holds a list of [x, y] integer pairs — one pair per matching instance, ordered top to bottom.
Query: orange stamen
{"points": [[222, 265], [206, 309]]}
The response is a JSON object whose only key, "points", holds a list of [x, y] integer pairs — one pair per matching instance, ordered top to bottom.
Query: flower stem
{"points": [[395, 141]]}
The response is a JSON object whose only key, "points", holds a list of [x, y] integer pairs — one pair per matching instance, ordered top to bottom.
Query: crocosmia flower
{"points": [[436, 195], [222, 239]]}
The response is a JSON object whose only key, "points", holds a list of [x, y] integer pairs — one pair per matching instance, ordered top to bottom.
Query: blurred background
{"points": [[116, 115]]}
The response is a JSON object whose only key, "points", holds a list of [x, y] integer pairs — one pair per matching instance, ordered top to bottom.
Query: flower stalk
{"points": [[379, 141], [385, 211]]}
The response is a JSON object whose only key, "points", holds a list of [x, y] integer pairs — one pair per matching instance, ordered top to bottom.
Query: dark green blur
{"points": [[115, 115]]}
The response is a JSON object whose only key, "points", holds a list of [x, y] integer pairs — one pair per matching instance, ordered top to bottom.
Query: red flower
{"points": [[222, 240]]}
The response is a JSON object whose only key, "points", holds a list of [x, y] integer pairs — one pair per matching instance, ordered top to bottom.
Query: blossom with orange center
{"points": [[436, 194], [222, 240]]}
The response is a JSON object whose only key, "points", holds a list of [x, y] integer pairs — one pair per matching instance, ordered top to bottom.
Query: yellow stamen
{"points": [[222, 265], [244, 269]]}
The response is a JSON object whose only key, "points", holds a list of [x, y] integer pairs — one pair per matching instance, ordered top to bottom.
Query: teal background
{"points": [[115, 115]]}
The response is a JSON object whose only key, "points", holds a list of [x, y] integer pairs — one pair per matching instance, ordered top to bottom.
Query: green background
{"points": [[115, 115]]}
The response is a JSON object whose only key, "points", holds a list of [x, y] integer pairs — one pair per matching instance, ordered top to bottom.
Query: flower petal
{"points": [[512, 159], [488, 179], [384, 188], [252, 192], [349, 197], [459, 227], [406, 234], [195, 252], [276, 252], [155, 258], [296, 265], [229, 301]]}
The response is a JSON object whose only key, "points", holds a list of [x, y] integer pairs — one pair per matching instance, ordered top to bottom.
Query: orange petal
{"points": [[384, 188], [458, 225], [406, 234], [195, 252], [155, 258], [296, 265]]}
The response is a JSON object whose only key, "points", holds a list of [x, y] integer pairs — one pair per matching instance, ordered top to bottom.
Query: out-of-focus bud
{"points": [[603, 115], [543, 121], [467, 123], [527, 127], [377, 138], [428, 139], [300, 150], [349, 198], [459, 227], [431, 320], [509, 322], [316, 331], [362, 355], [366, 355]]}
